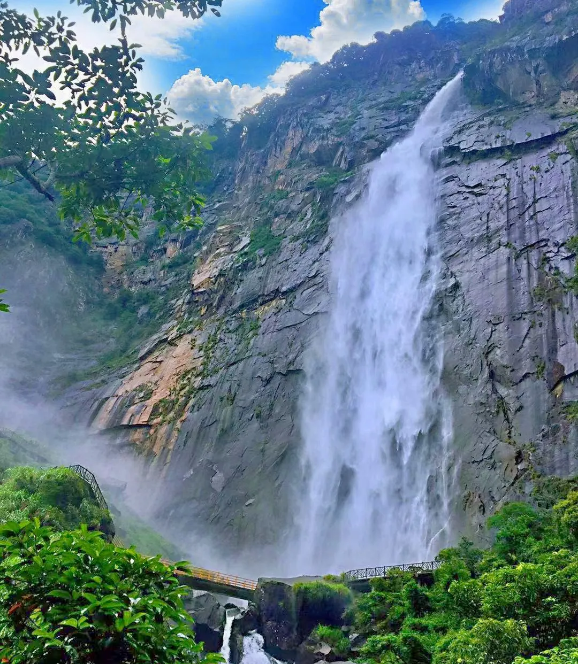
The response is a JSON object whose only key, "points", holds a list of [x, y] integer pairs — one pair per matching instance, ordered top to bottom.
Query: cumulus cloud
{"points": [[346, 21], [285, 71], [201, 99]]}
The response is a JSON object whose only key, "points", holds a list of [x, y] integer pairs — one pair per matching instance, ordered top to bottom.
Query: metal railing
{"points": [[90, 479], [195, 572], [376, 572], [218, 577]]}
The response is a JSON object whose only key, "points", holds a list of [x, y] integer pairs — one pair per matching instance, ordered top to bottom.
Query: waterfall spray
{"points": [[375, 422]]}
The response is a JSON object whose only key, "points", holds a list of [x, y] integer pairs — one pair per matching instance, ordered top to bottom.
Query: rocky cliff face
{"points": [[211, 404]]}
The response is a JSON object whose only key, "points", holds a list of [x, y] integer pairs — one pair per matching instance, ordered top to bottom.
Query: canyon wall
{"points": [[210, 403]]}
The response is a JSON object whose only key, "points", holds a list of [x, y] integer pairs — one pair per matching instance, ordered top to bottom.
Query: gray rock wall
{"points": [[212, 406]]}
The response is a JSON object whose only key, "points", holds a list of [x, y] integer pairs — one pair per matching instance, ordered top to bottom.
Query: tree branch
{"points": [[7, 162], [27, 175]]}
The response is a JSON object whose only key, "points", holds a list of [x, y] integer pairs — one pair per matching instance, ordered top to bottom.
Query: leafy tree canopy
{"points": [[80, 129], [58, 497], [72, 598], [516, 602]]}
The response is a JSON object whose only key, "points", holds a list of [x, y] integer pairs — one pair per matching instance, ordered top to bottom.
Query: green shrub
{"points": [[262, 239], [58, 497], [70, 597], [514, 600], [321, 602], [334, 637], [488, 642], [565, 653]]}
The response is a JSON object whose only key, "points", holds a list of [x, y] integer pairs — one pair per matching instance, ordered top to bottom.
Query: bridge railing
{"points": [[90, 479], [196, 572], [376, 572], [222, 579]]}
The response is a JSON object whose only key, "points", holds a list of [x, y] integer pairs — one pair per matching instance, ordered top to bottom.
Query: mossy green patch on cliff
{"points": [[342, 127], [331, 177], [263, 240], [570, 411]]}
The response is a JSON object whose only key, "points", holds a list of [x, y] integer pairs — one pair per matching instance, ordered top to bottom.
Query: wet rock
{"points": [[276, 604], [209, 617], [243, 625], [312, 650]]}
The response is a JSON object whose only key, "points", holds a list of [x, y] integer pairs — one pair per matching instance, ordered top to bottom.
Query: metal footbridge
{"points": [[236, 586]]}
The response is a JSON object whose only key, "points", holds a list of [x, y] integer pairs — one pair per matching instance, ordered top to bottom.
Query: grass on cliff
{"points": [[21, 203], [18, 450], [133, 531], [321, 602]]}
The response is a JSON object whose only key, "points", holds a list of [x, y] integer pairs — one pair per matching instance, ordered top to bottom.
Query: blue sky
{"points": [[217, 66]]}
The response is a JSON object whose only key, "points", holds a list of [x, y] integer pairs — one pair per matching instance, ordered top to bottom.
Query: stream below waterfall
{"points": [[376, 423]]}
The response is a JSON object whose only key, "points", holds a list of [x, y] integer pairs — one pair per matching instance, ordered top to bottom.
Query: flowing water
{"points": [[376, 424], [230, 615], [253, 652]]}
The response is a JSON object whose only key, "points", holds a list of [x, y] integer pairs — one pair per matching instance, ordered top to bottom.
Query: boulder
{"points": [[276, 604], [209, 617], [247, 622], [312, 651]]}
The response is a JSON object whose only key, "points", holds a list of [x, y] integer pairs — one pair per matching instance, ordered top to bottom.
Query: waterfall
{"points": [[376, 424], [230, 615], [253, 652]]}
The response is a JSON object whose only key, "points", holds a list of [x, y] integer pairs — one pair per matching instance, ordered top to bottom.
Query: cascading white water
{"points": [[376, 424], [230, 615], [253, 652]]}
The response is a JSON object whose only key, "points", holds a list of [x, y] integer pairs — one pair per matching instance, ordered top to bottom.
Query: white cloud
{"points": [[346, 21], [158, 37], [285, 71], [201, 99]]}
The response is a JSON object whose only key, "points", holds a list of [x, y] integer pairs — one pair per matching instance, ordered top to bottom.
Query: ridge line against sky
{"points": [[219, 66]]}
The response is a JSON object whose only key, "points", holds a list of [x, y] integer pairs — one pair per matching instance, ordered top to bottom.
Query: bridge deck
{"points": [[197, 577], [216, 582]]}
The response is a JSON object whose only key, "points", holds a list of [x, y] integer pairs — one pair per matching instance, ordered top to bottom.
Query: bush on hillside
{"points": [[58, 497], [72, 598], [515, 601], [321, 602], [334, 637]]}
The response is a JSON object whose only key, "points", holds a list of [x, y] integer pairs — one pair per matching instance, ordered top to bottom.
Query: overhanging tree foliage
{"points": [[81, 130]]}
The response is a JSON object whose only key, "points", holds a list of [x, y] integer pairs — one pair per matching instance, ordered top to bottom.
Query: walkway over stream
{"points": [[236, 586]]}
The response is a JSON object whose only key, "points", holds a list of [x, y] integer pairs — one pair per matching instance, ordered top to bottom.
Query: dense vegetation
{"points": [[104, 150], [22, 208], [27, 493], [57, 497], [68, 595], [71, 598], [515, 602]]}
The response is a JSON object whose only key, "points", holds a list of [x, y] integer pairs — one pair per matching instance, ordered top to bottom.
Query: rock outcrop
{"points": [[209, 617]]}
